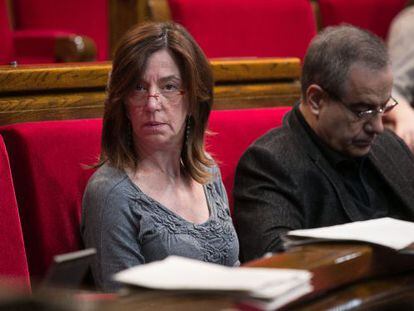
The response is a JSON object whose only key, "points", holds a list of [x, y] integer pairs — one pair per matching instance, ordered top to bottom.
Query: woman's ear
{"points": [[314, 98]]}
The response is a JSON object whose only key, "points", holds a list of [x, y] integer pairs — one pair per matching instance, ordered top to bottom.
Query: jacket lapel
{"points": [[309, 147], [387, 167]]}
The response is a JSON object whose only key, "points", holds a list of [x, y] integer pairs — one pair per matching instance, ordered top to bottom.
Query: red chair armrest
{"points": [[48, 46]]}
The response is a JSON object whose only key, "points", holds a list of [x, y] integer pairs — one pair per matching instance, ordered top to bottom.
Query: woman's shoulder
{"points": [[106, 179]]}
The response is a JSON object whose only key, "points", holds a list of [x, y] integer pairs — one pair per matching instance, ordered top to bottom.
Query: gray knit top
{"points": [[129, 228]]}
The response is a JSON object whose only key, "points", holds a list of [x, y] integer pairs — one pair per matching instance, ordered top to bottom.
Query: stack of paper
{"points": [[387, 232], [266, 288]]}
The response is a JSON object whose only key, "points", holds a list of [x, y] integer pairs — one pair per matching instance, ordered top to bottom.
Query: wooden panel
{"points": [[159, 10], [123, 14], [255, 69], [49, 77], [69, 91], [240, 96], [38, 107]]}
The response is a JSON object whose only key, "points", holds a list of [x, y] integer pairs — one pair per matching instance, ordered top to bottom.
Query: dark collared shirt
{"points": [[372, 196]]}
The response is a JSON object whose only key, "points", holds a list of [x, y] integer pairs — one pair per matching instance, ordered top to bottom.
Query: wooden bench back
{"points": [[77, 91]]}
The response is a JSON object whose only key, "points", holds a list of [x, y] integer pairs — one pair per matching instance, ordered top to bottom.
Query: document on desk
{"points": [[388, 232], [263, 286]]}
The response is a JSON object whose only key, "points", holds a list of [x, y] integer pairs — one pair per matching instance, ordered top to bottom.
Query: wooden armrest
{"points": [[57, 46], [75, 48]]}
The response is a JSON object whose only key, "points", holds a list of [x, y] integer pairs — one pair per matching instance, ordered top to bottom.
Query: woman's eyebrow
{"points": [[170, 78]]}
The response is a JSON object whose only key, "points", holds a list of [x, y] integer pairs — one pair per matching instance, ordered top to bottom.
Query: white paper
{"points": [[389, 232], [178, 273], [280, 301]]}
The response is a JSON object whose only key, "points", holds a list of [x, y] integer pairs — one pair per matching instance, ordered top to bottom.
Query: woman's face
{"points": [[158, 106]]}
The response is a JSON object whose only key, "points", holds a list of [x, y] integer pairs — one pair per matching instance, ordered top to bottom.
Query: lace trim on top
{"points": [[215, 236]]}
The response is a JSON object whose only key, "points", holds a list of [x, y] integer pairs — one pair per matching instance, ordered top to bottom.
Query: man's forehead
{"points": [[367, 82]]}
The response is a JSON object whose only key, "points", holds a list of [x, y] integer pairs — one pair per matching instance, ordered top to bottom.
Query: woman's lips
{"points": [[153, 125]]}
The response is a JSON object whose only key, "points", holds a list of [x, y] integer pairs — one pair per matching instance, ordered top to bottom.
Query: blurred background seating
{"points": [[372, 15], [83, 18], [243, 28], [47, 31], [28, 40], [13, 263]]}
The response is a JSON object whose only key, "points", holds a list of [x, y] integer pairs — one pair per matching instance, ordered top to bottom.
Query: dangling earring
{"points": [[188, 129]]}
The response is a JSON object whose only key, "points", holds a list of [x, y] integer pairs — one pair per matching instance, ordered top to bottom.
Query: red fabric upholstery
{"points": [[373, 15], [88, 18], [239, 28], [6, 36], [26, 46], [235, 131], [46, 160], [13, 262]]}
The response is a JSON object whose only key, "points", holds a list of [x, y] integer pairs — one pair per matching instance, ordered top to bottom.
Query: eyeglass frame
{"points": [[145, 97], [365, 114]]}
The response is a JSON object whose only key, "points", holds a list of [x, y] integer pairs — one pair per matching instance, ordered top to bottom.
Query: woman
{"points": [[156, 192]]}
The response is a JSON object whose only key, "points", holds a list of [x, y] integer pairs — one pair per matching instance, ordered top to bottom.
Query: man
{"points": [[331, 162]]}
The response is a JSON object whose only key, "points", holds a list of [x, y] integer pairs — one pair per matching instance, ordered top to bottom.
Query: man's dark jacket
{"points": [[283, 182]]}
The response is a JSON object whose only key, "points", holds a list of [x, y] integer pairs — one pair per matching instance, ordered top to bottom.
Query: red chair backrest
{"points": [[373, 15], [88, 18], [248, 28], [6, 35], [235, 131], [47, 161], [13, 262]]}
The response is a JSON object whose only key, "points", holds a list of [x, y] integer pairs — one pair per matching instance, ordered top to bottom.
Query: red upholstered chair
{"points": [[373, 15], [85, 18], [247, 28], [40, 45], [235, 131], [46, 159], [13, 262]]}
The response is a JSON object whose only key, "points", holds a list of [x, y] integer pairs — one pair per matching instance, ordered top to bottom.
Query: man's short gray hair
{"points": [[332, 52]]}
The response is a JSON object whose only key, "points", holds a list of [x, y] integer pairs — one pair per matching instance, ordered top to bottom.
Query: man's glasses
{"points": [[168, 92], [367, 114]]}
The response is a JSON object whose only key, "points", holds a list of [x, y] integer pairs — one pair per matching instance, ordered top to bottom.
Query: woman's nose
{"points": [[153, 101]]}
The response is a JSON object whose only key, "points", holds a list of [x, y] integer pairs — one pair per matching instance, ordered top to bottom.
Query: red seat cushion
{"points": [[373, 15], [248, 28], [235, 131], [47, 161], [13, 262]]}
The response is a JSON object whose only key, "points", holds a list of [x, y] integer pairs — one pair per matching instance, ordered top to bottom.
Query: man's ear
{"points": [[314, 98]]}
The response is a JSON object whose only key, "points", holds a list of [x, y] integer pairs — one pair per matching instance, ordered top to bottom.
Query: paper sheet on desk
{"points": [[388, 232], [178, 273]]}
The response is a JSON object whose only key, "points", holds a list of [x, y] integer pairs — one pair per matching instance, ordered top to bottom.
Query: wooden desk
{"points": [[76, 91], [346, 273], [346, 277]]}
